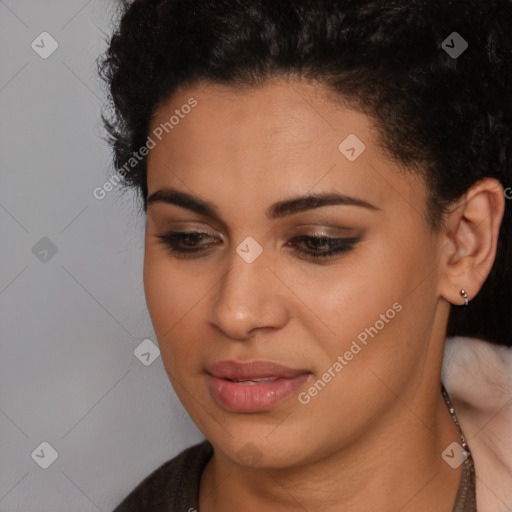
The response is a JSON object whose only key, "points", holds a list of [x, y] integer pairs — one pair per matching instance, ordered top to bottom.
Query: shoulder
{"points": [[478, 376], [172, 486]]}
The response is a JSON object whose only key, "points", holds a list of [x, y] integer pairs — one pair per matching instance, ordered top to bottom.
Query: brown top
{"points": [[174, 486], [466, 495]]}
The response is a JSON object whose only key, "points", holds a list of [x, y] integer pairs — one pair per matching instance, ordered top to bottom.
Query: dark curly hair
{"points": [[447, 118]]}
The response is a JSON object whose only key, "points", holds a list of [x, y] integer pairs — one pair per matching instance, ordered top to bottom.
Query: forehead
{"points": [[278, 114], [282, 138]]}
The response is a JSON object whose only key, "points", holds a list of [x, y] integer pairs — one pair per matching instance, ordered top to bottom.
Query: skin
{"points": [[372, 439]]}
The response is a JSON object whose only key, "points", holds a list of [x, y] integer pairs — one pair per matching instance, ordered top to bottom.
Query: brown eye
{"points": [[181, 243], [322, 247], [315, 248]]}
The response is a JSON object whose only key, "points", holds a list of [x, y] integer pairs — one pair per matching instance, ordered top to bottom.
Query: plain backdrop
{"points": [[72, 307]]}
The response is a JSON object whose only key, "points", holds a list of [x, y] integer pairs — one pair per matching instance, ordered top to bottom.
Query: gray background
{"points": [[71, 320]]}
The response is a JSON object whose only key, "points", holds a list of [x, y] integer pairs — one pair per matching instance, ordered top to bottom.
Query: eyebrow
{"points": [[274, 211]]}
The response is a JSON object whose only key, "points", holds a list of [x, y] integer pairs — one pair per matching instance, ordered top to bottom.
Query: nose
{"points": [[250, 298]]}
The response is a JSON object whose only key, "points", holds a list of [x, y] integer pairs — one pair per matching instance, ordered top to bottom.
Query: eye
{"points": [[189, 241], [186, 244], [323, 247]]}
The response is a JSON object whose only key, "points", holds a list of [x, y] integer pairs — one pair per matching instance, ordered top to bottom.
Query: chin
{"points": [[250, 445]]}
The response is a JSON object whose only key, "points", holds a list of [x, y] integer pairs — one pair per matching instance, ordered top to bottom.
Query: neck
{"points": [[395, 466]]}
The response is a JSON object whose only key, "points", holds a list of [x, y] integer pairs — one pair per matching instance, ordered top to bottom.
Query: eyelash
{"points": [[337, 245]]}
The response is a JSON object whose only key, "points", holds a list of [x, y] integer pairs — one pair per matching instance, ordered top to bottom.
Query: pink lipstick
{"points": [[253, 386]]}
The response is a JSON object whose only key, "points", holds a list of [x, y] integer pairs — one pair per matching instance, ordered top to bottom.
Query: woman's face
{"points": [[245, 293]]}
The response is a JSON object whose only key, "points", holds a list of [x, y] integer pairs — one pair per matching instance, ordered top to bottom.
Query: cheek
{"points": [[167, 296], [349, 296], [176, 297], [382, 297]]}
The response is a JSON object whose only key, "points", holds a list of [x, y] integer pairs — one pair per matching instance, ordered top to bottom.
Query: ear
{"points": [[470, 238]]}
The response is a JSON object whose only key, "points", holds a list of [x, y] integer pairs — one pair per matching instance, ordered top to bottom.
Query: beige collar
{"points": [[478, 376]]}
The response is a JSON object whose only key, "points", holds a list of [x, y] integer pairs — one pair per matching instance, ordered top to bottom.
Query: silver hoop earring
{"points": [[464, 295]]}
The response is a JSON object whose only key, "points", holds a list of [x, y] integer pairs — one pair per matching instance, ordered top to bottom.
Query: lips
{"points": [[235, 370], [253, 386]]}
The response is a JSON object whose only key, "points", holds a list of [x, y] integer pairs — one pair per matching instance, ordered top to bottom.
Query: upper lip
{"points": [[236, 370]]}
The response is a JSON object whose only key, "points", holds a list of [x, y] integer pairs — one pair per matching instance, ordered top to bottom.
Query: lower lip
{"points": [[257, 397]]}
